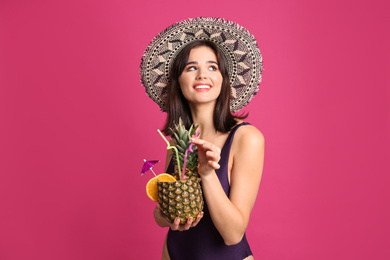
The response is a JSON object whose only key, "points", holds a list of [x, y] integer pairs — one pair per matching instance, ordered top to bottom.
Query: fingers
{"points": [[200, 143], [211, 152], [213, 155], [213, 159], [214, 165], [198, 218], [191, 222], [176, 224], [188, 224]]}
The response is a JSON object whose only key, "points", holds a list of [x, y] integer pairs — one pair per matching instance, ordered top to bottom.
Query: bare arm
{"points": [[230, 215]]}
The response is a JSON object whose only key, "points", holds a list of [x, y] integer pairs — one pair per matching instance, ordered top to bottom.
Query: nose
{"points": [[201, 74]]}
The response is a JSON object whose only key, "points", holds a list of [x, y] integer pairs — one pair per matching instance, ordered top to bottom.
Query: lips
{"points": [[202, 87]]}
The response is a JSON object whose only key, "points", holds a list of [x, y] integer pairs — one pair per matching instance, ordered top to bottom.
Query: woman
{"points": [[230, 154]]}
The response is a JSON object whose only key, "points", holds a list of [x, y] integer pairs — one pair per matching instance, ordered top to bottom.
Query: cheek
{"points": [[184, 79], [218, 79], [180, 81], [181, 84]]}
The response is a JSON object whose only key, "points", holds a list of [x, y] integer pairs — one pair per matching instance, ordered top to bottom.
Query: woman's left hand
{"points": [[208, 156], [162, 220]]}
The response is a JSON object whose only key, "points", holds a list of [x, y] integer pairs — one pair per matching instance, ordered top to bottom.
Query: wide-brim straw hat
{"points": [[238, 46]]}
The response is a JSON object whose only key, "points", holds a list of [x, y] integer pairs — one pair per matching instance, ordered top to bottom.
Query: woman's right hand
{"points": [[162, 221]]}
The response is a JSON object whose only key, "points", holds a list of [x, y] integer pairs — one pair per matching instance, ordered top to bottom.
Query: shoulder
{"points": [[249, 136], [247, 151]]}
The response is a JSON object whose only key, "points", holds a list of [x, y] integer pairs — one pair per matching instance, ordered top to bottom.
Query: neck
{"points": [[203, 116]]}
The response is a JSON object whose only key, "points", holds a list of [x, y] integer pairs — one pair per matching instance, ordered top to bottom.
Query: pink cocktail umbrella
{"points": [[148, 165]]}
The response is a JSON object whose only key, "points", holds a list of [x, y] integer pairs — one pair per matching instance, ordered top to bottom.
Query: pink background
{"points": [[76, 125]]}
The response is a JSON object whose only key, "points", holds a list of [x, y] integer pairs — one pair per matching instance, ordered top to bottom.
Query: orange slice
{"points": [[151, 186]]}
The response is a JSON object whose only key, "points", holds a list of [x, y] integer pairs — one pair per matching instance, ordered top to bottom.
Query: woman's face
{"points": [[201, 79]]}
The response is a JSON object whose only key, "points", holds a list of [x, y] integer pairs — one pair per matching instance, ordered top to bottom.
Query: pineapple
{"points": [[182, 198]]}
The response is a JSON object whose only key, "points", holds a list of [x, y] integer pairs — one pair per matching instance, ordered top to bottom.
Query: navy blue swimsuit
{"points": [[204, 242]]}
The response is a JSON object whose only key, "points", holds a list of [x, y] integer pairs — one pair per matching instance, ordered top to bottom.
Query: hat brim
{"points": [[239, 47]]}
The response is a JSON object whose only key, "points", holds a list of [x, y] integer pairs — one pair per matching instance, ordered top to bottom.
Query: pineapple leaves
{"points": [[176, 137], [182, 139]]}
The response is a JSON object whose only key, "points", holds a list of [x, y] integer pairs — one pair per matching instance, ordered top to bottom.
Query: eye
{"points": [[191, 68], [213, 68]]}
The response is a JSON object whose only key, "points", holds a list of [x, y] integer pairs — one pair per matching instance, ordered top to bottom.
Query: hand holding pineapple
{"points": [[162, 220]]}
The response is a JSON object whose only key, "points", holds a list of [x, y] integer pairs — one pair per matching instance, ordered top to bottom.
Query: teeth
{"points": [[202, 86]]}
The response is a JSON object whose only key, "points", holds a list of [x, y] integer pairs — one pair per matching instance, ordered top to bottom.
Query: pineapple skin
{"points": [[181, 199]]}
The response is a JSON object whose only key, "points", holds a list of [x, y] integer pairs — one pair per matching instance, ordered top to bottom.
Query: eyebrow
{"points": [[195, 62]]}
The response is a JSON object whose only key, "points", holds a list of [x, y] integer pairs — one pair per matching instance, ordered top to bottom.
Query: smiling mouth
{"points": [[202, 87]]}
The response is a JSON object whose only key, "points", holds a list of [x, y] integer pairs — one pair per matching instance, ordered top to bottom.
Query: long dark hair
{"points": [[177, 106]]}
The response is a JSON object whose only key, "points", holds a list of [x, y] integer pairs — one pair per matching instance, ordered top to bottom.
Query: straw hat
{"points": [[239, 47]]}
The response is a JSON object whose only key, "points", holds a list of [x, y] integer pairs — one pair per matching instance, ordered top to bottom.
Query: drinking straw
{"points": [[174, 148], [185, 154]]}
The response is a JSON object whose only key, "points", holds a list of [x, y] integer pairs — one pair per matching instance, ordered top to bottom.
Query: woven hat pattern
{"points": [[238, 46]]}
